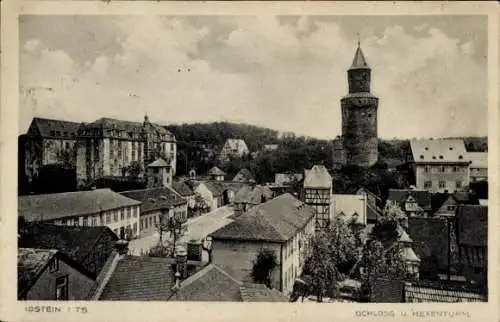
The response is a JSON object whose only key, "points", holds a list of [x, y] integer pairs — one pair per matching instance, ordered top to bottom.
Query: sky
{"points": [[283, 72]]}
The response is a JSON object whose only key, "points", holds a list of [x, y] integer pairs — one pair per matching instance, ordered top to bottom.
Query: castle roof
{"points": [[359, 60], [49, 128], [438, 151]]}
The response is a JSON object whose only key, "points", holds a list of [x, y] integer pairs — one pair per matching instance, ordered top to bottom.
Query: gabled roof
{"points": [[359, 60], [50, 128], [236, 144], [438, 151], [478, 159], [159, 163], [215, 171], [243, 175], [317, 177], [287, 178], [215, 187], [182, 188], [254, 195], [422, 197], [155, 198], [70, 204], [350, 205], [373, 212], [277, 220], [472, 225], [76, 242], [409, 255], [32, 262], [140, 279], [209, 284], [251, 292], [422, 293]]}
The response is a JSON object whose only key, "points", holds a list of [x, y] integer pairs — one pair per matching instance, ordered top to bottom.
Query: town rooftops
{"points": [[49, 128], [438, 151], [478, 159], [159, 163], [215, 171], [243, 175], [317, 177], [281, 179], [182, 188], [253, 195], [422, 197], [155, 198], [70, 204], [350, 205], [276, 220], [472, 225], [76, 242], [32, 262], [140, 279], [212, 283], [209, 284], [414, 292]]}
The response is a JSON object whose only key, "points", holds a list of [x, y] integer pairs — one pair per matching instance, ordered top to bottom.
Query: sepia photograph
{"points": [[253, 158]]}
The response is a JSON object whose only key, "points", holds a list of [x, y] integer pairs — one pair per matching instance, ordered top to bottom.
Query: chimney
{"points": [[121, 247], [181, 262]]}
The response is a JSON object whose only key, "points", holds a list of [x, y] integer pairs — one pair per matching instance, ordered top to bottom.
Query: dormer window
{"points": [[421, 157], [433, 157], [441, 157], [460, 157]]}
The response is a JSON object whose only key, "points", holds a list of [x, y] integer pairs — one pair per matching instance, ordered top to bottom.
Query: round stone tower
{"points": [[359, 116]]}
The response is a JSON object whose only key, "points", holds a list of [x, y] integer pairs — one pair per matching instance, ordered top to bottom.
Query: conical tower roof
{"points": [[359, 60]]}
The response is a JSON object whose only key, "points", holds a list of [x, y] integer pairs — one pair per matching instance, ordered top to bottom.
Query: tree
{"points": [[134, 169], [176, 230], [382, 253], [330, 254], [263, 266]]}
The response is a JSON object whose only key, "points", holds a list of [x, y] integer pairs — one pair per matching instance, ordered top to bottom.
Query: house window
{"points": [[426, 169], [443, 169], [428, 184], [442, 184], [458, 184], [451, 208], [129, 210], [115, 215], [122, 215], [108, 218], [94, 221], [85, 222], [145, 223], [141, 224], [135, 229], [54, 265], [62, 288]]}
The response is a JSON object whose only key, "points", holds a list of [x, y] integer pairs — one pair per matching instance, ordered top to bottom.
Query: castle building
{"points": [[359, 116], [48, 142], [109, 147], [439, 165]]}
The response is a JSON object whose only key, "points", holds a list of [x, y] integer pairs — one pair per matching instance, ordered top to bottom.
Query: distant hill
{"points": [[215, 134]]}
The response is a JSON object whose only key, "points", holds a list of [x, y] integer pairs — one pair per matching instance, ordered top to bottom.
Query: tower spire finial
{"points": [[359, 39]]}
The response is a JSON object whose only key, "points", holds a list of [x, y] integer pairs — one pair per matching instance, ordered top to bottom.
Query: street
{"points": [[197, 229]]}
